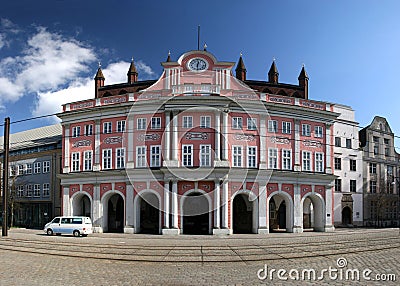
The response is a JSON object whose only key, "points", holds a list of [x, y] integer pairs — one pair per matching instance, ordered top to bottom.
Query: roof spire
{"points": [[205, 47], [169, 56], [241, 69], [132, 72], [273, 73], [303, 81]]}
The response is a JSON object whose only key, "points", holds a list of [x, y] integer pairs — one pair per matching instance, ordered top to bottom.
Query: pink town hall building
{"points": [[199, 151]]}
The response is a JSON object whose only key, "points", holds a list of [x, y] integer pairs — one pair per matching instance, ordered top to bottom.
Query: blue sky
{"points": [[50, 49]]}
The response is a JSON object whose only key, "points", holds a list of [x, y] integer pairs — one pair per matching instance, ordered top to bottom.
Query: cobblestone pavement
{"points": [[29, 258]]}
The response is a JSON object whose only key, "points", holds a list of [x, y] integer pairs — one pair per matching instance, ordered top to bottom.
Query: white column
{"points": [[225, 119], [217, 129], [167, 138], [263, 138], [175, 140], [130, 142], [66, 148], [297, 150], [328, 153], [96, 165], [66, 201], [166, 204], [217, 204], [225, 204], [174, 207], [329, 208], [262, 210], [97, 211], [297, 215], [130, 217]]}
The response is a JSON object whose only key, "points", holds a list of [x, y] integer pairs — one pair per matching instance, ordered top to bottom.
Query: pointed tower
{"points": [[169, 56], [241, 69], [132, 73], [273, 74], [98, 81], [303, 81]]}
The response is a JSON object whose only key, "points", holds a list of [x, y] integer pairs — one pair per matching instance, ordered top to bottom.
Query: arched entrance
{"points": [[81, 205], [313, 212], [280, 213], [115, 214], [149, 214], [195, 214], [242, 214], [346, 216]]}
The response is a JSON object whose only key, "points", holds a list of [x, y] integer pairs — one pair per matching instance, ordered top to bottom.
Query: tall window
{"points": [[187, 121], [205, 122], [237, 122], [141, 123], [156, 123], [251, 123], [121, 126], [272, 126], [107, 127], [286, 127], [88, 129], [306, 129], [76, 131], [318, 131], [338, 142], [348, 143], [187, 155], [205, 155], [141, 156], [155, 156], [237, 156], [251, 157], [120, 158], [273, 158], [107, 159], [286, 159], [306, 161], [75, 162], [319, 162], [338, 163], [87, 165], [353, 165], [46, 166], [36, 167], [28, 168], [372, 168], [21, 169], [338, 185], [353, 186], [372, 187], [46, 189], [29, 190], [36, 190], [20, 191]]}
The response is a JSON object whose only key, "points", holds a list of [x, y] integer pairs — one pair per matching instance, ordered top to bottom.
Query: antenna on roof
{"points": [[198, 37]]}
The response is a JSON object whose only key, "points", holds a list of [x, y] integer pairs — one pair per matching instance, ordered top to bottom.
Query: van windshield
{"points": [[56, 220]]}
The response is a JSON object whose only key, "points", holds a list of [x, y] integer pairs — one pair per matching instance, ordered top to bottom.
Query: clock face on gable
{"points": [[197, 64]]}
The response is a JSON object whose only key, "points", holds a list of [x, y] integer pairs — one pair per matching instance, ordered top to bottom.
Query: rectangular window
{"points": [[187, 121], [205, 122], [237, 122], [156, 123], [251, 123], [141, 124], [121, 126], [272, 126], [107, 127], [286, 127], [306, 129], [88, 130], [76, 131], [318, 131], [376, 139], [386, 141], [338, 142], [348, 143], [376, 149], [387, 152], [155, 155], [187, 155], [141, 156], [205, 156], [237, 156], [251, 157], [120, 158], [273, 158], [107, 159], [286, 159], [88, 161], [306, 161], [75, 162], [319, 162], [338, 164], [353, 165], [46, 166], [36, 167], [28, 168], [372, 168], [20, 169], [13, 170], [390, 170], [338, 185], [353, 186], [372, 187], [29, 190], [36, 190], [46, 190], [20, 191]]}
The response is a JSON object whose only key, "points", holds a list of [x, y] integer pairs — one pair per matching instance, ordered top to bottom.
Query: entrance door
{"points": [[115, 214], [195, 214], [242, 214], [149, 215], [282, 216], [346, 216]]}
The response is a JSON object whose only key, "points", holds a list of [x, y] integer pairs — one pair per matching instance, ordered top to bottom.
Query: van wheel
{"points": [[49, 231], [76, 233]]}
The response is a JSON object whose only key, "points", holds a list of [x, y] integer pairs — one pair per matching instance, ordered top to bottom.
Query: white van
{"points": [[75, 225]]}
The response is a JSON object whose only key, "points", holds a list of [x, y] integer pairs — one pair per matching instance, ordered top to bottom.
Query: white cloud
{"points": [[2, 41], [144, 70]]}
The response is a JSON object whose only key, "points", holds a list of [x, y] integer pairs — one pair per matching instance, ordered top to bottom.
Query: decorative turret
{"points": [[169, 56], [241, 69], [132, 73], [273, 74], [98, 80], [303, 81]]}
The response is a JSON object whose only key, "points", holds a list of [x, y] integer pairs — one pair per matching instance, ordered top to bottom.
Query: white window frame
{"points": [[205, 121], [187, 122], [237, 122], [141, 123], [156, 123], [251, 123], [121, 125], [272, 126], [107, 127], [286, 127], [88, 129], [306, 130], [76, 131], [318, 131], [187, 155], [205, 155], [237, 155], [155, 156], [251, 156], [141, 157], [120, 158], [273, 158], [107, 159], [286, 159], [88, 160], [306, 161], [75, 162], [319, 162], [37, 167], [46, 167], [29, 168], [29, 190], [36, 190], [46, 190], [20, 191]]}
